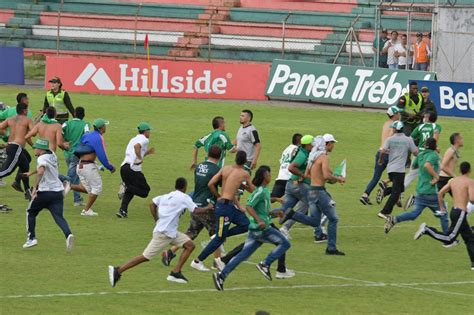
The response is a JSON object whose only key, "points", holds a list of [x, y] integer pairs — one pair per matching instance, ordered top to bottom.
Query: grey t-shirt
{"points": [[247, 137], [398, 147]]}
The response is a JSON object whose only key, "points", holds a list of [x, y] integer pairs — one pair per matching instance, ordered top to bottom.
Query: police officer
{"points": [[59, 99], [411, 116]]}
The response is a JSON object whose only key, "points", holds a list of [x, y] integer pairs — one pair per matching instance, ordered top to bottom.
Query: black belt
{"points": [[226, 201]]}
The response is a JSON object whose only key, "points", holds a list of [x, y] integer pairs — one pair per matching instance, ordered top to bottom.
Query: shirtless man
{"points": [[393, 113], [49, 128], [16, 155], [450, 159], [462, 188], [319, 199], [228, 209]]}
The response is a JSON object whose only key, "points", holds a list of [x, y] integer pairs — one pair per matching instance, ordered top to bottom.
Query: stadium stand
{"points": [[240, 30]]}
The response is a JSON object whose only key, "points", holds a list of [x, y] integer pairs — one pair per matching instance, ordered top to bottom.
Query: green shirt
{"points": [[382, 58], [73, 130], [423, 132], [219, 138], [301, 159], [202, 176], [424, 178], [261, 202]]}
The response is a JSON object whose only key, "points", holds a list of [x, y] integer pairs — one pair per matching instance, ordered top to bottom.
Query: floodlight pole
{"points": [[58, 28], [135, 32], [283, 34]]}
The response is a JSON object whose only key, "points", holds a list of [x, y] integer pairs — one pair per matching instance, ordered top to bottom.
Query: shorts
{"points": [[90, 178], [443, 180], [278, 190], [200, 221], [160, 241]]}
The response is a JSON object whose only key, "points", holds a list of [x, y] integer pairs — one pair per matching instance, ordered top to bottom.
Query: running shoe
{"points": [[379, 196], [365, 200], [410, 201], [389, 224], [420, 232], [323, 238], [30, 243], [69, 243], [334, 252], [167, 256], [199, 266], [265, 270], [114, 275], [285, 275], [177, 277], [218, 281]]}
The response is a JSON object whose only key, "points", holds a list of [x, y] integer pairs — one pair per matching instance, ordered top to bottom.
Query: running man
{"points": [[393, 113], [50, 129], [217, 137], [248, 140], [92, 146], [397, 147], [450, 160], [427, 163], [284, 174], [134, 182], [462, 189], [47, 193], [202, 197], [319, 199], [166, 210], [228, 210], [260, 230]]}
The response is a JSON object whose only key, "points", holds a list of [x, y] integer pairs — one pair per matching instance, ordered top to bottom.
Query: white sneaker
{"points": [[2, 183], [67, 187], [121, 190], [89, 213], [285, 232], [420, 232], [30, 243], [69, 243], [452, 244], [223, 252], [219, 264], [199, 266], [285, 275]]}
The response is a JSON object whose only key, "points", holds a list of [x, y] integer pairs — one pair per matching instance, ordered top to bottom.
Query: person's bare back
{"points": [[19, 127], [51, 132], [386, 132], [317, 176], [232, 178], [462, 188]]}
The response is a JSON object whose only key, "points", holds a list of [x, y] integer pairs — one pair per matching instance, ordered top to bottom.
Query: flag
{"points": [[145, 43], [341, 169]]}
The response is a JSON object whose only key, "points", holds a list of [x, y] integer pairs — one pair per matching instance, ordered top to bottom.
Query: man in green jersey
{"points": [[73, 130], [218, 137], [428, 163], [201, 196], [260, 230]]}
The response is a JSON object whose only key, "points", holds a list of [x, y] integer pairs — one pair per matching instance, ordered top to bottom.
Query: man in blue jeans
{"points": [[393, 114], [428, 163], [319, 200], [228, 209], [260, 230]]}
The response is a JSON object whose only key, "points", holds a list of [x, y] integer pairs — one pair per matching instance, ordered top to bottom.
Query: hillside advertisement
{"points": [[161, 78], [338, 84], [451, 98]]}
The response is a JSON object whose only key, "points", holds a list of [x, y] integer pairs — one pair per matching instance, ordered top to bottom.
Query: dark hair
{"points": [[394, 32], [404, 35], [412, 83], [20, 97], [402, 101], [20, 107], [50, 112], [79, 112], [249, 112], [432, 117], [217, 121], [454, 137], [296, 139], [430, 143], [214, 152], [240, 158], [465, 167], [260, 175], [180, 183]]}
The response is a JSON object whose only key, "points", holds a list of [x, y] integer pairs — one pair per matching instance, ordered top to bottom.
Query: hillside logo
{"points": [[98, 76]]}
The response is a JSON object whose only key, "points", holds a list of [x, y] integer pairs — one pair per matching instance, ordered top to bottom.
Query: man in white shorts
{"points": [[166, 210]]}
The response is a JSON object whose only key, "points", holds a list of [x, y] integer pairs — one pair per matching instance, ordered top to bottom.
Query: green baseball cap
{"points": [[393, 110], [100, 122], [397, 125], [143, 126], [307, 139], [41, 144]]}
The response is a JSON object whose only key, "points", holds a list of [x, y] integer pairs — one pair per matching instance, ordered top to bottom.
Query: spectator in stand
{"points": [[389, 49], [401, 53], [422, 53], [382, 56], [428, 104]]}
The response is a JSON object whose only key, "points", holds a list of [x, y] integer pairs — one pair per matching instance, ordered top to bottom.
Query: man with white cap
{"points": [[393, 113], [92, 146], [319, 199]]}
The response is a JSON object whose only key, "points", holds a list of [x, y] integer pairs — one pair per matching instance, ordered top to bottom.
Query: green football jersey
{"points": [[423, 132], [219, 138], [203, 174], [261, 202]]}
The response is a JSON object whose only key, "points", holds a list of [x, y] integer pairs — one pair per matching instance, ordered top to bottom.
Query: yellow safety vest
{"points": [[57, 101], [411, 107]]}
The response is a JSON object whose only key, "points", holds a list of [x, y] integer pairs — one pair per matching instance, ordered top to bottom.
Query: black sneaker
{"points": [[383, 185], [17, 187], [28, 195], [379, 196], [365, 200], [399, 202], [5, 209], [122, 214], [287, 216], [389, 224], [323, 238], [334, 252], [167, 256], [472, 266], [265, 270], [114, 275], [177, 277], [218, 281]]}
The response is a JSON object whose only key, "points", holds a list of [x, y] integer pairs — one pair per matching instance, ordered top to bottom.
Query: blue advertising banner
{"points": [[11, 65], [451, 98]]}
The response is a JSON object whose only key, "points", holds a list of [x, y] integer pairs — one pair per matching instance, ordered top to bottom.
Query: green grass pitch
{"points": [[385, 274]]}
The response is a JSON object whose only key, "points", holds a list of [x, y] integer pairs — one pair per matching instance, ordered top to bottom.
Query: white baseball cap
{"points": [[393, 110], [397, 125], [329, 138]]}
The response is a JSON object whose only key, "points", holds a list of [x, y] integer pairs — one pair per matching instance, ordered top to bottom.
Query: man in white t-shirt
{"points": [[389, 49], [402, 53], [284, 174], [134, 182], [47, 193], [166, 210]]}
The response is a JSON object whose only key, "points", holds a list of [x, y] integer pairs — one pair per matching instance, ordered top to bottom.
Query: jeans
{"points": [[393, 66], [422, 66], [71, 162], [378, 171], [395, 192], [320, 201], [423, 201], [54, 202], [226, 213], [254, 241]]}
